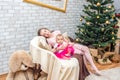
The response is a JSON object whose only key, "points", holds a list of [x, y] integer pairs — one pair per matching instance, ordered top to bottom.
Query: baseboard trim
{"points": [[3, 73]]}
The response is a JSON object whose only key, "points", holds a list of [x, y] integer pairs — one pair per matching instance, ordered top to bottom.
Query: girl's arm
{"points": [[63, 46], [55, 48]]}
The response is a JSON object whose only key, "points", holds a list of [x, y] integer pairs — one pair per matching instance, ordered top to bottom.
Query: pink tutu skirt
{"points": [[68, 50]]}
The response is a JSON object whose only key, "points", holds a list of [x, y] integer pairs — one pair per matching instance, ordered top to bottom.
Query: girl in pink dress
{"points": [[63, 49], [78, 49]]}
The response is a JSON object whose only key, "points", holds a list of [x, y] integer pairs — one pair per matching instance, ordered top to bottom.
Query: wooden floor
{"points": [[100, 67], [103, 67], [3, 77]]}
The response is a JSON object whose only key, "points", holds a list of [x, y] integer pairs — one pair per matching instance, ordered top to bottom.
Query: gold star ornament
{"points": [[98, 4]]}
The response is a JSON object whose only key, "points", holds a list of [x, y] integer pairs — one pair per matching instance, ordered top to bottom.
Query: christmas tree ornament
{"points": [[98, 4], [109, 6], [106, 10], [117, 14], [98, 16], [113, 16], [81, 19], [107, 22], [88, 23], [115, 26], [102, 29], [113, 33], [113, 38], [77, 39], [99, 45]]}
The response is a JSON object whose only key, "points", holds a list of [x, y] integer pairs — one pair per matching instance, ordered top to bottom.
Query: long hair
{"points": [[38, 33]]}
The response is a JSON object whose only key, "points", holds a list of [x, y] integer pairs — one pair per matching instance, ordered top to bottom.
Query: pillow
{"points": [[66, 36], [43, 44]]}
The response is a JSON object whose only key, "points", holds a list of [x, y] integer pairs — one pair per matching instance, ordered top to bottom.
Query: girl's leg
{"points": [[86, 53], [88, 56]]}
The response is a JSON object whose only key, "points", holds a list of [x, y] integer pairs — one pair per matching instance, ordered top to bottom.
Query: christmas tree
{"points": [[98, 24]]}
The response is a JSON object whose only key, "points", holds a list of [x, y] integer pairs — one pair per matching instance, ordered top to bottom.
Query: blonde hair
{"points": [[59, 35]]}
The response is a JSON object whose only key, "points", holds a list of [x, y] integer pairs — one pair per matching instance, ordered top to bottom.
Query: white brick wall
{"points": [[19, 22]]}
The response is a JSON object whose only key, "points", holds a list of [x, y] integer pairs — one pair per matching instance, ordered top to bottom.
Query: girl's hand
{"points": [[71, 44], [57, 49], [54, 50]]}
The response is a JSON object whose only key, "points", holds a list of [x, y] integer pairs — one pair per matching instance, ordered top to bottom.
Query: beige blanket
{"points": [[56, 69]]}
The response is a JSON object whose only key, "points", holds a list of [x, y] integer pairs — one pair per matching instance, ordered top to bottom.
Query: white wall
{"points": [[19, 22]]}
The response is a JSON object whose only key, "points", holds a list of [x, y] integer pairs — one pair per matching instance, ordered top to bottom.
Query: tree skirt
{"points": [[109, 74]]}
